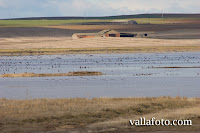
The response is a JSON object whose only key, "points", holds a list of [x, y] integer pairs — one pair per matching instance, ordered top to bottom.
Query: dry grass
{"points": [[62, 42], [18, 46], [53, 51], [81, 73], [94, 115]]}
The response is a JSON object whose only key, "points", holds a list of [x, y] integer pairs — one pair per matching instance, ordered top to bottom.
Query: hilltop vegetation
{"points": [[116, 17], [140, 19], [39, 23]]}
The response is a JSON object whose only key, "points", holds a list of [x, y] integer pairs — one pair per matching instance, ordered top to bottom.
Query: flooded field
{"points": [[125, 75]]}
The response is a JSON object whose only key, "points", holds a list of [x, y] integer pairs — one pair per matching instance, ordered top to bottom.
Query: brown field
{"points": [[139, 27], [68, 31], [57, 40], [95, 115]]}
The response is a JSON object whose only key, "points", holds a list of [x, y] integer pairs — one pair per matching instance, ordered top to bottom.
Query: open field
{"points": [[167, 20], [39, 23], [142, 27], [167, 31], [16, 32], [57, 39], [63, 42], [63, 45], [82, 73], [95, 115]]}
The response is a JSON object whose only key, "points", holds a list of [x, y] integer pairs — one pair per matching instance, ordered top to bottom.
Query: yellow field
{"points": [[62, 45], [92, 115]]}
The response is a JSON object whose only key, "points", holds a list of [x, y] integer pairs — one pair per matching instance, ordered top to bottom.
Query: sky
{"points": [[52, 8]]}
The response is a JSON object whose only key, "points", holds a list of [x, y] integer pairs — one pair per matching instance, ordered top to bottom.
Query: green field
{"points": [[163, 20], [39, 23]]}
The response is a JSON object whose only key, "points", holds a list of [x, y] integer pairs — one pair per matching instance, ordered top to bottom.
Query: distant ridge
{"points": [[114, 17]]}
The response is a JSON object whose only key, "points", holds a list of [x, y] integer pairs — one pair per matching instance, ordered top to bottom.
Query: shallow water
{"points": [[126, 75]]}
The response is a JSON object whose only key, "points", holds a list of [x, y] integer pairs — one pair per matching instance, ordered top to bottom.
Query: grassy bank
{"points": [[13, 52], [81, 73], [95, 115]]}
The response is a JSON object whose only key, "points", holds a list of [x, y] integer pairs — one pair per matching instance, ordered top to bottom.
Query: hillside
{"points": [[114, 17]]}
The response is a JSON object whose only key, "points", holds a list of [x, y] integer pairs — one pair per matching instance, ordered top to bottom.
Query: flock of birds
{"points": [[137, 65], [119, 70]]}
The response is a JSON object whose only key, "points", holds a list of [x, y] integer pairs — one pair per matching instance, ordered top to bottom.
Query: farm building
{"points": [[129, 22], [103, 33], [108, 33], [83, 35]]}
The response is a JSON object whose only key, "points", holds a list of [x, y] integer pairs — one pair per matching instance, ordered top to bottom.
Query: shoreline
{"points": [[109, 50]]}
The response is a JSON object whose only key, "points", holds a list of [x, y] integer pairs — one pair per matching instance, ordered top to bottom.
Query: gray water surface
{"points": [[126, 75]]}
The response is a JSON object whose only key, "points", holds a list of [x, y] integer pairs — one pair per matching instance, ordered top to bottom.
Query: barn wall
{"points": [[118, 34], [107, 35], [74, 36], [85, 36], [89, 37]]}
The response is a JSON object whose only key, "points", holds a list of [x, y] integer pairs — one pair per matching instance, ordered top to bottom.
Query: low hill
{"points": [[115, 17]]}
